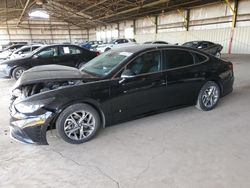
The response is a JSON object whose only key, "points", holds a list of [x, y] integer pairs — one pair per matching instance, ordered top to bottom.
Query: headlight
{"points": [[3, 67], [30, 107]]}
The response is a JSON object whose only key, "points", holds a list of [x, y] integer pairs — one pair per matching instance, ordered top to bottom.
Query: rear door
{"points": [[73, 56], [185, 74]]}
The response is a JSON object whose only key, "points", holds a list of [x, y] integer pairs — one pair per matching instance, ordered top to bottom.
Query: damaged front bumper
{"points": [[30, 129]]}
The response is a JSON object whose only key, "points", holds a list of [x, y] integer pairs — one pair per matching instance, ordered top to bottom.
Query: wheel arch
{"points": [[16, 66], [12, 69], [218, 82], [90, 102]]}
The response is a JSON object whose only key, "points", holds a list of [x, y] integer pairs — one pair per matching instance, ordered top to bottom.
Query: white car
{"points": [[115, 43], [8, 51], [23, 51]]}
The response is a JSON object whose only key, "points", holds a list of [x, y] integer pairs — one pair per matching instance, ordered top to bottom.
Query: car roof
{"points": [[198, 41], [51, 45], [28, 46], [142, 47]]}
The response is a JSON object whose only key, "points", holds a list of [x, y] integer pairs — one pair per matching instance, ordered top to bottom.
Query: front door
{"points": [[47, 56], [141, 93]]}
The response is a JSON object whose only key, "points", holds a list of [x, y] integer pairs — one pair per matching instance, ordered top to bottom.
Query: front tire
{"points": [[17, 72], [209, 96], [78, 123]]}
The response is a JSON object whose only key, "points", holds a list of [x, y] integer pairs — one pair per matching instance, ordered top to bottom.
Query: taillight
{"points": [[97, 53]]}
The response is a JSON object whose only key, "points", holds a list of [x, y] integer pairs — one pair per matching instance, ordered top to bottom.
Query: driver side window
{"points": [[48, 52], [147, 63]]}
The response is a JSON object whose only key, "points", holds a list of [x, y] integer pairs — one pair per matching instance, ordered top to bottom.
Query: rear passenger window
{"points": [[65, 50], [177, 58], [199, 58]]}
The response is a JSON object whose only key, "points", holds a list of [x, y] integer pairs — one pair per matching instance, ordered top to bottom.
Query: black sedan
{"points": [[155, 42], [206, 46], [68, 55], [119, 85]]}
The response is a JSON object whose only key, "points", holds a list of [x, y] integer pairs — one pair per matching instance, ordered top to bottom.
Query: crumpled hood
{"points": [[48, 73]]}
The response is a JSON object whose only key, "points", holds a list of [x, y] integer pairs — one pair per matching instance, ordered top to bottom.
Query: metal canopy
{"points": [[93, 13]]}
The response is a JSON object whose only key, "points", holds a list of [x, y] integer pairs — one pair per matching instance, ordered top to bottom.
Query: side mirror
{"points": [[199, 47], [20, 53], [126, 74]]}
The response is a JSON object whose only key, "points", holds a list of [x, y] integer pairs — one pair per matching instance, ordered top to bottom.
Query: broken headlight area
{"points": [[29, 90], [19, 94], [30, 107]]}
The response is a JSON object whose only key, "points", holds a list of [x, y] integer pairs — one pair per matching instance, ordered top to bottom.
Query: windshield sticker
{"points": [[126, 54]]}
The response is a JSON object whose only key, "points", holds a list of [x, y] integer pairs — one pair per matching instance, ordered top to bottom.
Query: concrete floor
{"points": [[182, 148]]}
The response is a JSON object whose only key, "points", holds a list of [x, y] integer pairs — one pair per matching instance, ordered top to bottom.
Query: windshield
{"points": [[105, 63]]}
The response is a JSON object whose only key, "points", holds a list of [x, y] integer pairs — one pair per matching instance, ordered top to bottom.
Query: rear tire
{"points": [[17, 72], [209, 96], [78, 123]]}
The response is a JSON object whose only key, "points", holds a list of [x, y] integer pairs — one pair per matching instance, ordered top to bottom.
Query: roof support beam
{"points": [[94, 5], [136, 8], [69, 9], [24, 10], [234, 11], [185, 15], [156, 24]]}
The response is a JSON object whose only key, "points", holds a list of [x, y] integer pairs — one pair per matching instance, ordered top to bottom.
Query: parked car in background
{"points": [[155, 42], [115, 43], [91, 44], [5, 46], [206, 46], [8, 51], [23, 51], [69, 55], [119, 85]]}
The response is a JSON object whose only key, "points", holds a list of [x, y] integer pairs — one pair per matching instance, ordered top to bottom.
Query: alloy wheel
{"points": [[19, 73], [210, 96], [79, 125]]}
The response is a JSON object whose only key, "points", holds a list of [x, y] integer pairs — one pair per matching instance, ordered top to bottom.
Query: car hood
{"points": [[48, 73]]}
